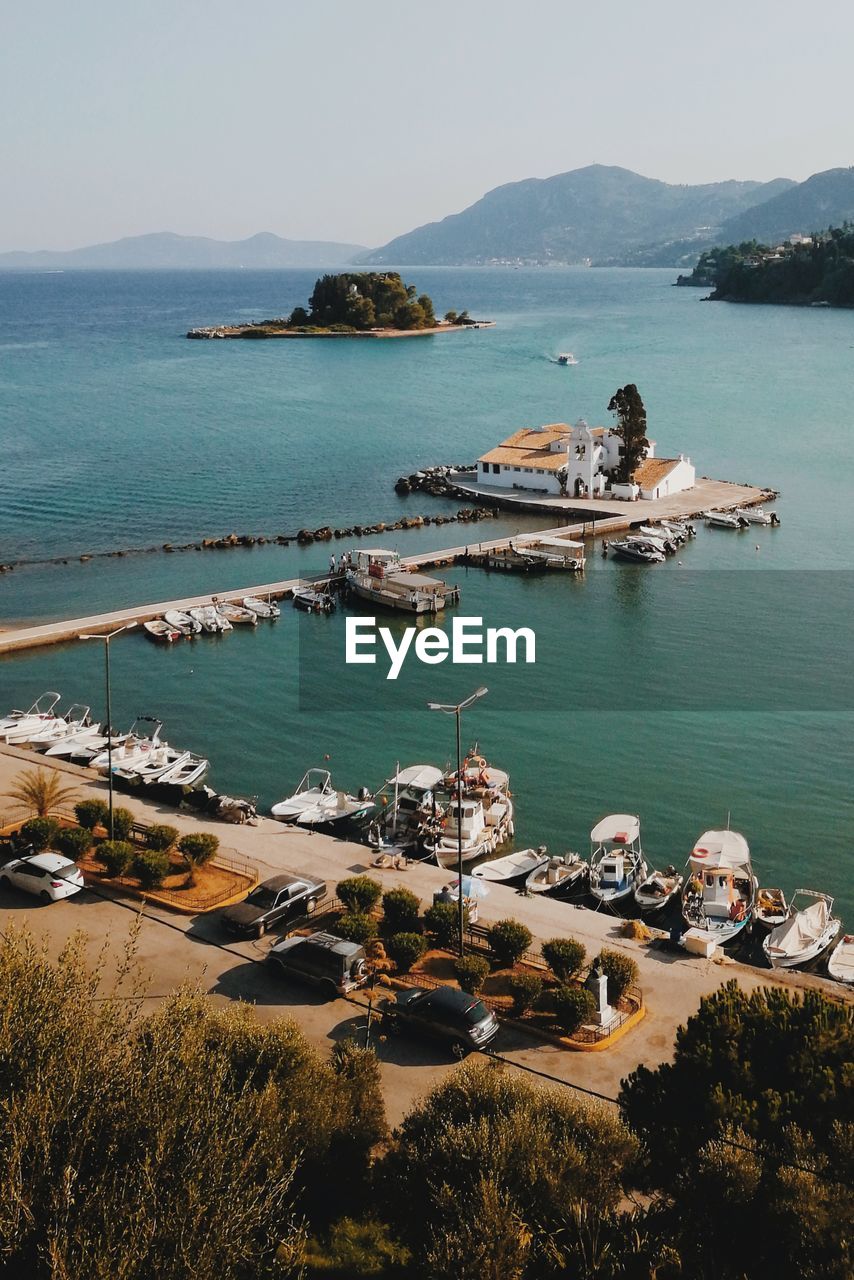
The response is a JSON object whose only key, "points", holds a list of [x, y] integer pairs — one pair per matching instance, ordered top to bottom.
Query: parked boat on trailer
{"points": [[617, 863], [512, 867], [558, 875], [658, 889], [719, 893], [809, 931], [840, 962]]}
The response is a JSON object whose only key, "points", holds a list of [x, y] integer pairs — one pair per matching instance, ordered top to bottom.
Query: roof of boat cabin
{"points": [[563, 543], [414, 581], [420, 776], [616, 824], [720, 849]]}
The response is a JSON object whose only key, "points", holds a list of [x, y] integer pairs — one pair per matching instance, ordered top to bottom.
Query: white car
{"points": [[48, 875]]}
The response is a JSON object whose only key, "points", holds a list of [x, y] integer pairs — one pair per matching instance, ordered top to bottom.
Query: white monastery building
{"points": [[579, 462]]}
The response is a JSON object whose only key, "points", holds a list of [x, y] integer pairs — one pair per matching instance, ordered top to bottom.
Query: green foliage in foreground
{"points": [[37, 834], [471, 972]]}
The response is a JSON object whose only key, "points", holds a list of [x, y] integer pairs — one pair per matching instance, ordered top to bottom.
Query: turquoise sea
{"points": [[686, 692]]}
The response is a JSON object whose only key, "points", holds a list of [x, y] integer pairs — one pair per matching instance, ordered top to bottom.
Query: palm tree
{"points": [[41, 791]]}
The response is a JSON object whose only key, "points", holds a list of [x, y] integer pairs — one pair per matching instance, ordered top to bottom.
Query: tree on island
{"points": [[365, 300], [626, 403]]}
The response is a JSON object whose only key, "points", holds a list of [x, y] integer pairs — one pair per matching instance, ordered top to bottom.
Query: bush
{"points": [[91, 814], [123, 821], [40, 833], [161, 837], [74, 842], [199, 847], [116, 856], [151, 868], [359, 894], [401, 908], [442, 922], [355, 926], [508, 941], [405, 949], [564, 956], [620, 970], [471, 972], [527, 989], [572, 1006]]}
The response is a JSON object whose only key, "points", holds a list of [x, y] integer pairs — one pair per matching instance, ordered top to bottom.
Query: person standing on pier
{"points": [[333, 569]]}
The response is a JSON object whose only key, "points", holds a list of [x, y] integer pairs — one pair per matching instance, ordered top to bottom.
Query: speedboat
{"points": [[566, 358], [757, 515], [725, 520], [679, 529], [658, 537], [638, 549], [310, 600], [261, 608], [235, 614], [209, 619], [182, 622], [161, 631], [39, 716], [76, 720], [41, 733], [74, 744], [135, 748], [86, 749], [161, 760], [186, 772], [314, 788], [337, 809], [616, 860], [512, 867], [557, 875], [659, 888], [720, 888], [770, 908], [808, 932], [840, 962]]}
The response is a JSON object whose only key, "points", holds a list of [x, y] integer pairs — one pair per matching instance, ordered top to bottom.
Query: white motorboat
{"points": [[566, 358], [757, 515], [725, 520], [680, 529], [657, 536], [637, 549], [556, 553], [382, 579], [312, 600], [261, 608], [237, 615], [209, 619], [182, 622], [161, 632], [41, 714], [75, 720], [74, 744], [135, 748], [86, 749], [163, 759], [186, 772], [314, 788], [337, 809], [478, 838], [616, 859], [512, 867], [557, 875], [659, 888], [719, 893], [770, 908], [808, 932], [840, 962]]}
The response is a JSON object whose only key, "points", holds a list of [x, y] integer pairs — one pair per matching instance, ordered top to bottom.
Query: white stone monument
{"points": [[597, 983]]}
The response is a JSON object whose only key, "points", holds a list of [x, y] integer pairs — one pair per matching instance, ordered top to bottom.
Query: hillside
{"points": [[824, 200], [596, 213], [164, 249], [817, 273]]}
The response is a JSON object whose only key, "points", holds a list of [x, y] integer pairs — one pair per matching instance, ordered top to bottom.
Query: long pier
{"points": [[619, 517]]}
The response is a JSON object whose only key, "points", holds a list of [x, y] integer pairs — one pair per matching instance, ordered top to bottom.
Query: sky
{"points": [[336, 120]]}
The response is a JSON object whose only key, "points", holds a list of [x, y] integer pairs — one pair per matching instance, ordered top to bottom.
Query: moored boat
{"points": [[757, 515], [725, 520], [641, 550], [557, 553], [507, 559], [380, 577], [313, 600], [261, 608], [236, 614], [209, 618], [183, 622], [160, 631], [41, 714], [75, 720], [185, 772], [466, 818], [617, 863], [512, 867], [557, 875], [659, 888], [719, 893], [770, 908], [809, 931], [840, 962]]}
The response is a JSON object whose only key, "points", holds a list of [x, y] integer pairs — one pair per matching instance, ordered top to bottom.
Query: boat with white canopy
{"points": [[556, 553], [381, 578], [412, 803], [617, 863], [512, 867], [557, 875], [720, 888], [808, 932]]}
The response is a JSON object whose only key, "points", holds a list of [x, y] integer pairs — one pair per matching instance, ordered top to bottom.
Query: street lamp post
{"points": [[106, 639], [456, 710]]}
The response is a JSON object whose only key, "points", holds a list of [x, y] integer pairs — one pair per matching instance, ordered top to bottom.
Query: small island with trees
{"points": [[816, 270], [354, 304]]}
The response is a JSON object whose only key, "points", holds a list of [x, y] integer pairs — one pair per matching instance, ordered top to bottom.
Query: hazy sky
{"points": [[346, 120]]}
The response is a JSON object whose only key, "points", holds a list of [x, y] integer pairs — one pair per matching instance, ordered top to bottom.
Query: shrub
{"points": [[91, 814], [123, 821], [40, 833], [161, 837], [74, 842], [199, 847], [116, 856], [151, 868], [359, 894], [401, 908], [442, 922], [355, 926], [508, 941], [406, 949], [564, 956], [620, 970], [471, 972], [527, 989], [572, 1006]]}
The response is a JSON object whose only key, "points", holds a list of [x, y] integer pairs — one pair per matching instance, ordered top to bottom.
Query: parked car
{"points": [[48, 875], [280, 898], [336, 965], [461, 1020]]}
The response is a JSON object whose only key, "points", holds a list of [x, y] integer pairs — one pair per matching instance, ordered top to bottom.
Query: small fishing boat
{"points": [[566, 358], [757, 515], [725, 520], [637, 549], [557, 553], [507, 559], [381, 578], [312, 600], [261, 608], [236, 615], [208, 618], [182, 622], [161, 632], [41, 714], [76, 720], [150, 768], [185, 773], [315, 786], [468, 819], [400, 823], [617, 863], [512, 867], [557, 875], [659, 888], [720, 888], [771, 908], [807, 933], [840, 962]]}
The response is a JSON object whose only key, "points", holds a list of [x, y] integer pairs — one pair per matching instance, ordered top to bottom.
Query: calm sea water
{"points": [[683, 693]]}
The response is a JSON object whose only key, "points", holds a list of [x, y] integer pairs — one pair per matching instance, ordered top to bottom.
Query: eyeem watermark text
{"points": [[468, 642]]}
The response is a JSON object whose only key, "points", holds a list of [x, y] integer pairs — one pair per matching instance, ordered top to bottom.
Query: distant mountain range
{"points": [[611, 216], [165, 249]]}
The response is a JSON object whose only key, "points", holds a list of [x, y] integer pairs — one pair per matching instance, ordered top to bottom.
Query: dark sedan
{"points": [[278, 899], [460, 1019]]}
